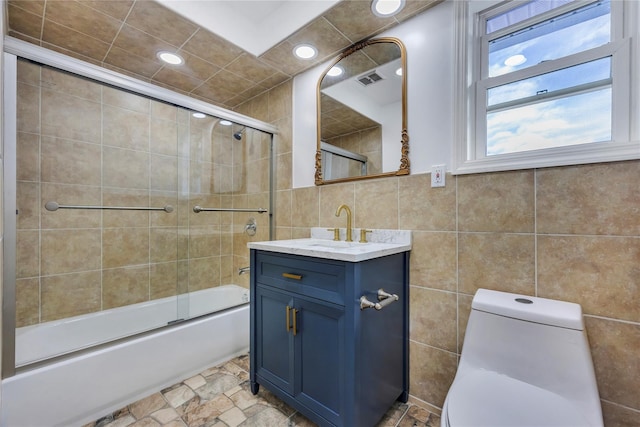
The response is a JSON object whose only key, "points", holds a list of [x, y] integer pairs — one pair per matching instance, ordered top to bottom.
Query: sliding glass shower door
{"points": [[108, 243]]}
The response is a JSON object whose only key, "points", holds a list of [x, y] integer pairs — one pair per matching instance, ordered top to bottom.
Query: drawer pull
{"points": [[292, 276]]}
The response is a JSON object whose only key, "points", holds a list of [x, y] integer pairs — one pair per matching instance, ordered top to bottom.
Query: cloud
{"points": [[557, 44], [579, 119]]}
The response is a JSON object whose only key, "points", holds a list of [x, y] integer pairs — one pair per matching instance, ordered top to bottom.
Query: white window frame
{"points": [[470, 94]]}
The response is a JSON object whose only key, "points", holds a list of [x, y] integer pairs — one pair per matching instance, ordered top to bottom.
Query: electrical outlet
{"points": [[438, 175]]}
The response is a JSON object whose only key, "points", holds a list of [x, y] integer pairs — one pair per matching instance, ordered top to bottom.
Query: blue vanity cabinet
{"points": [[312, 345]]}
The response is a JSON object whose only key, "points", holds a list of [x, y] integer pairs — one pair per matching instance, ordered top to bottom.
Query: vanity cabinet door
{"points": [[274, 337], [319, 350]]}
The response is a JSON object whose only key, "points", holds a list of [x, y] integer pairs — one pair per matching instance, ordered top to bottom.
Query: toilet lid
{"points": [[484, 398]]}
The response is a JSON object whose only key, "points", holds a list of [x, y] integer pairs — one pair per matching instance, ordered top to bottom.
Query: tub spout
{"points": [[243, 270]]}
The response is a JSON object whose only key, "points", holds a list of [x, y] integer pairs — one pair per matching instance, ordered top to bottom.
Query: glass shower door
{"points": [[229, 187], [97, 243], [108, 243]]}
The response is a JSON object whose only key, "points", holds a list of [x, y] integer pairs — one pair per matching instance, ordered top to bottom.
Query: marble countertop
{"points": [[321, 245]]}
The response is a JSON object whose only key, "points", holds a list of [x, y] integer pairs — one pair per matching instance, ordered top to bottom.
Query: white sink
{"points": [[395, 241]]}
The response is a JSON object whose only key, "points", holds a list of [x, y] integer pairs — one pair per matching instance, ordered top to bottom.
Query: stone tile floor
{"points": [[221, 397]]}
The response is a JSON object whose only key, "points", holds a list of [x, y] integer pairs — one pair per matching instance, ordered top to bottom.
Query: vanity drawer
{"points": [[322, 279]]}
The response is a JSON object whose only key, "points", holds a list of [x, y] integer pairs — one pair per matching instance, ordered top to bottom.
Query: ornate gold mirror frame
{"points": [[357, 68]]}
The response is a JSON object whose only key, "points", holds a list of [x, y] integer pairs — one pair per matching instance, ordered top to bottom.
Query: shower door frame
{"points": [[14, 49]]}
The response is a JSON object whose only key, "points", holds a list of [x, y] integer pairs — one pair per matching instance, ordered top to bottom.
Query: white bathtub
{"points": [[49, 339], [82, 388]]}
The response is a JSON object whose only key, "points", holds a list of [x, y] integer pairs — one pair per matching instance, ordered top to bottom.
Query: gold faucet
{"points": [[346, 208]]}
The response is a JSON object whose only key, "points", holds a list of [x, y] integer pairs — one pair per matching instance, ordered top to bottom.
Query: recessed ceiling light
{"points": [[386, 8], [305, 51], [170, 58], [515, 60], [335, 71], [399, 71], [199, 115], [225, 123]]}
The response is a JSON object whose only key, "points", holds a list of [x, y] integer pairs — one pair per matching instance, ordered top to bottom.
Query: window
{"points": [[546, 82]]}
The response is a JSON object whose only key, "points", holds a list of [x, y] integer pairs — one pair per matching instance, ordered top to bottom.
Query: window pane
{"points": [[522, 13], [570, 33], [562, 79], [577, 119]]}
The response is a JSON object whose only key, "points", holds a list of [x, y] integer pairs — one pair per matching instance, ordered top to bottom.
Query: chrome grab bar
{"points": [[54, 206], [198, 209], [384, 298]]}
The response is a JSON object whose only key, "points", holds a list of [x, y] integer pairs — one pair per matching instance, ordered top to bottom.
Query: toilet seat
{"points": [[485, 398]]}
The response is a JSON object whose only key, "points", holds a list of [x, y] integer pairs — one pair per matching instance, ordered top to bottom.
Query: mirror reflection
{"points": [[362, 114]]}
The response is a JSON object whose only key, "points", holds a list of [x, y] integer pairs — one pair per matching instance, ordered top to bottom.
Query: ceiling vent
{"points": [[369, 78]]}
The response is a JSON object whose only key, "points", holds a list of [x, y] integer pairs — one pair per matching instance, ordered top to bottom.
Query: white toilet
{"points": [[525, 362]]}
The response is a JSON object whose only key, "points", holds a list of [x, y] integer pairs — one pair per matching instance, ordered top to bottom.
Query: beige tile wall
{"points": [[81, 143], [570, 233]]}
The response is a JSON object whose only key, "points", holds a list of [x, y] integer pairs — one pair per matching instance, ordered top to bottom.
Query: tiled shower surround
{"points": [[83, 143], [569, 233]]}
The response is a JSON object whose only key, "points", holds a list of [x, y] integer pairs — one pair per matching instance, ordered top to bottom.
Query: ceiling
{"points": [[253, 25], [234, 50]]}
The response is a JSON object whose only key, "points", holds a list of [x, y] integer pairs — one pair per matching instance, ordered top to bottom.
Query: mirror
{"points": [[362, 114]]}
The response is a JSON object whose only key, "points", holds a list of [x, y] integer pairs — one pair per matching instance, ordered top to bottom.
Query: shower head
{"points": [[238, 135]]}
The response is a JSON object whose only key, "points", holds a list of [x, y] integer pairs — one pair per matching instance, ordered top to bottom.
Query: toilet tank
{"points": [[536, 340]]}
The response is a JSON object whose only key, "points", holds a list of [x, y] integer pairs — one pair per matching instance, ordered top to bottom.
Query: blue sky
{"points": [[574, 120]]}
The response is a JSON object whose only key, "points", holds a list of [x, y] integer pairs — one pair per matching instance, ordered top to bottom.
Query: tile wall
{"points": [[82, 143], [569, 233]]}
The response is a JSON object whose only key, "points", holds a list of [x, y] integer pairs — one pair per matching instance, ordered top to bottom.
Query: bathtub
{"points": [[49, 339], [83, 387]]}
